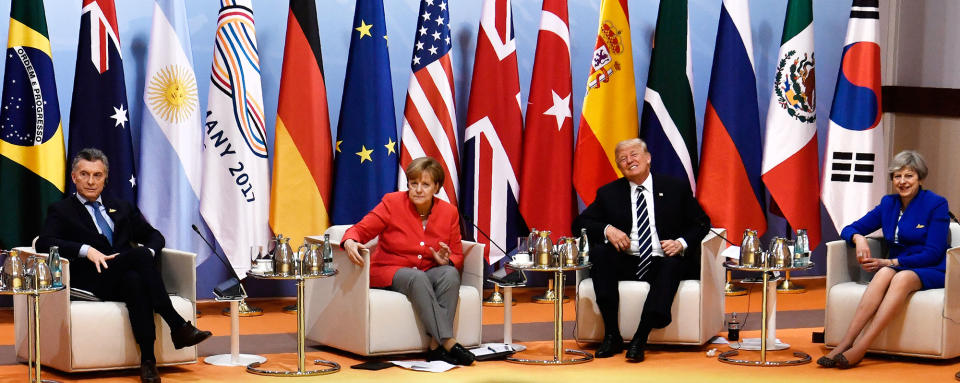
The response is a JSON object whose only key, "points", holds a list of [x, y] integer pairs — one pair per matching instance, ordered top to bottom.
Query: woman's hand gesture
{"points": [[353, 249]]}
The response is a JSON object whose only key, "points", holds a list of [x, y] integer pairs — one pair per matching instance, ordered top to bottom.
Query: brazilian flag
{"points": [[32, 163]]}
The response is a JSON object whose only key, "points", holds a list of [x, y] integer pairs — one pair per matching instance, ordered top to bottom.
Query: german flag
{"points": [[610, 106], [303, 154], [32, 164]]}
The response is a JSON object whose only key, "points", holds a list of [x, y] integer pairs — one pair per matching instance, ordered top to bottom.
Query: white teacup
{"points": [[522, 258]]}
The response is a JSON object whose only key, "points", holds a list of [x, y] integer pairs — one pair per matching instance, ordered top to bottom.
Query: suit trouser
{"points": [[610, 267], [134, 279], [434, 294]]}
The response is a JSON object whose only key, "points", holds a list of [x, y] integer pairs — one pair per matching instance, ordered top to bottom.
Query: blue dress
{"points": [[924, 228]]}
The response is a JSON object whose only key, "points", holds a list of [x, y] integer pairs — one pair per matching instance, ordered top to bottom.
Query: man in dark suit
{"points": [[642, 227], [97, 234]]}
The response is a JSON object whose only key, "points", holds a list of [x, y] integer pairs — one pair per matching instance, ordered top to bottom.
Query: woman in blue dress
{"points": [[915, 224]]}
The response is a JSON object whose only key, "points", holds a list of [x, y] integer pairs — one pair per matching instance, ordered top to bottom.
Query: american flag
{"points": [[429, 117], [492, 140]]}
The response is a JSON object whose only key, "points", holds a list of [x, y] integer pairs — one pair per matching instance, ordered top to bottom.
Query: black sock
{"points": [[642, 333], [146, 352]]}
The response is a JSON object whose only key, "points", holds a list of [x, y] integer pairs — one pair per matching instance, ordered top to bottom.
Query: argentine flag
{"points": [[171, 141]]}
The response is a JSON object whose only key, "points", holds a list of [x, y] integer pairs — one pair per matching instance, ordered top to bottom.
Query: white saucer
{"points": [[521, 264]]}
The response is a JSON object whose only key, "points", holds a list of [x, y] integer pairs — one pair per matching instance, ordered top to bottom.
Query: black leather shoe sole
{"points": [[188, 335], [610, 350], [461, 355], [635, 355], [149, 373]]}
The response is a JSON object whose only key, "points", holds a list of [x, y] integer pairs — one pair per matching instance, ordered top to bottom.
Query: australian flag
{"points": [[99, 117], [365, 167]]}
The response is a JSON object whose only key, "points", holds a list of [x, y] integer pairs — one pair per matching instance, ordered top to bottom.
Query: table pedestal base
{"points": [[753, 344], [581, 357], [800, 358], [227, 360], [331, 368]]}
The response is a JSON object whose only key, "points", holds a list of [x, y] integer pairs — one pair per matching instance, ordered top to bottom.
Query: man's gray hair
{"points": [[629, 143], [92, 155], [909, 159]]}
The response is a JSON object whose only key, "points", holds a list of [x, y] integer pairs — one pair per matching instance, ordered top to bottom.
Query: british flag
{"points": [[103, 32], [430, 117], [491, 149]]}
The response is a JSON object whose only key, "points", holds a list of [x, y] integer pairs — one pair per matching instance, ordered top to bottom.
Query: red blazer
{"points": [[403, 240]]}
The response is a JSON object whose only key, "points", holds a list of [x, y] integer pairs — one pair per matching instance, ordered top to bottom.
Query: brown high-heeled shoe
{"points": [[826, 362], [843, 363]]}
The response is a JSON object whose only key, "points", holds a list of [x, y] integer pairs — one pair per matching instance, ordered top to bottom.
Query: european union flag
{"points": [[99, 116], [365, 167]]}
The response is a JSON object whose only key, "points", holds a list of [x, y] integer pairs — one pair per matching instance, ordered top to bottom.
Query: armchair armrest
{"points": [[472, 265], [842, 265], [179, 272], [712, 281], [951, 291], [344, 298]]}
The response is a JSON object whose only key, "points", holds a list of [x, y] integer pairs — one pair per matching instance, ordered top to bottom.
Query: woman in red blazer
{"points": [[419, 254]]}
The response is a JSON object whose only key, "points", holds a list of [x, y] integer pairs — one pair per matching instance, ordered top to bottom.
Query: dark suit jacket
{"points": [[677, 214], [69, 226]]}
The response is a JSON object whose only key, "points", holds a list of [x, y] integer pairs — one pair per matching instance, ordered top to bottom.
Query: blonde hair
{"points": [[909, 159], [425, 164]]}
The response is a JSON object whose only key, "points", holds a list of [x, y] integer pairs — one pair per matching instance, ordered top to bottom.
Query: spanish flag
{"points": [[610, 106], [303, 154], [32, 165]]}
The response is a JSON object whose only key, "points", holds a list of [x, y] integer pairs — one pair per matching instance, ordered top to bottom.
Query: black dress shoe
{"points": [[187, 336], [612, 345], [635, 350], [440, 354], [461, 355], [149, 373]]}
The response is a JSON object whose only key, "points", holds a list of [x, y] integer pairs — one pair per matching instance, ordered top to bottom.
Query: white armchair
{"points": [[697, 311], [343, 312], [928, 326], [90, 336]]}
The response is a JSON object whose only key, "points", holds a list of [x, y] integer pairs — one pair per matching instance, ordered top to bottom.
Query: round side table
{"points": [[33, 342], [558, 350], [800, 357], [331, 367]]}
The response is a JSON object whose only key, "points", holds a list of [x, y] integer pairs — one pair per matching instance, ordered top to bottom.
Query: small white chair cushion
{"points": [[685, 312], [394, 326], [901, 333], [96, 342]]}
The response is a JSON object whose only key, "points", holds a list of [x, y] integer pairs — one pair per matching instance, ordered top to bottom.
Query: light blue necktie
{"points": [[101, 222], [645, 246]]}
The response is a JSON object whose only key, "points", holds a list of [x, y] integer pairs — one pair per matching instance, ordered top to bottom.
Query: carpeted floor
{"points": [[273, 335]]}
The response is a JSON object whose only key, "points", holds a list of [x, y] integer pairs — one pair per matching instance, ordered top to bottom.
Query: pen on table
{"points": [[491, 349]]}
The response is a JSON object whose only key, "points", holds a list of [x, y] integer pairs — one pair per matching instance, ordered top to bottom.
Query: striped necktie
{"points": [[101, 222], [645, 247]]}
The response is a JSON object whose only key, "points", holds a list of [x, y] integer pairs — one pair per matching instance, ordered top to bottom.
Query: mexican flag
{"points": [[790, 164]]}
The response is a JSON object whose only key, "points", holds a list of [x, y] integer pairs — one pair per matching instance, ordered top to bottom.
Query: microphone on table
{"points": [[467, 219], [710, 228], [500, 276], [230, 288]]}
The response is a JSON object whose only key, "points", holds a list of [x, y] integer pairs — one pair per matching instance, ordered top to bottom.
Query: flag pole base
{"points": [[786, 286], [245, 310]]}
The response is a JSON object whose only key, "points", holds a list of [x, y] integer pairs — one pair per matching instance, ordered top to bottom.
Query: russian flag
{"points": [[730, 188]]}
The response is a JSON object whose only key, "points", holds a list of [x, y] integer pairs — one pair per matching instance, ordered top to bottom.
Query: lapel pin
{"points": [[659, 194], [111, 211], [920, 226]]}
